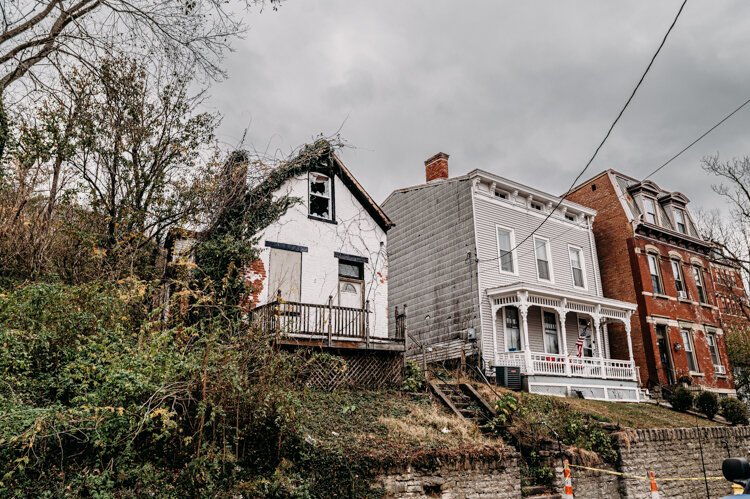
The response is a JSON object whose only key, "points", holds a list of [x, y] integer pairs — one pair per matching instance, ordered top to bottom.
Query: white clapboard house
{"points": [[321, 280], [482, 287]]}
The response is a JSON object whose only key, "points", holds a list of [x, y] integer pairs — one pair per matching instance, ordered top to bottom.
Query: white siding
{"points": [[489, 213], [355, 233]]}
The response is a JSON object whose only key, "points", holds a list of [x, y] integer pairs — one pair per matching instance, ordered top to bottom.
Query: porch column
{"points": [[523, 309], [562, 312], [494, 333], [605, 333], [599, 343], [630, 345]]}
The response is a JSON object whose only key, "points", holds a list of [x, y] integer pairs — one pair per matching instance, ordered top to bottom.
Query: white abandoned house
{"points": [[321, 278], [480, 286]]}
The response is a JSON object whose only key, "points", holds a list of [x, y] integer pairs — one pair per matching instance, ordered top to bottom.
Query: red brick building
{"points": [[650, 253], [730, 294]]}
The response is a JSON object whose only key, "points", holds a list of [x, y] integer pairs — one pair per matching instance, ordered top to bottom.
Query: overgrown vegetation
{"points": [[98, 399], [538, 424]]}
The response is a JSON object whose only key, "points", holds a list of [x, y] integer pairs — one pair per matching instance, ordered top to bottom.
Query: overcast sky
{"points": [[522, 89]]}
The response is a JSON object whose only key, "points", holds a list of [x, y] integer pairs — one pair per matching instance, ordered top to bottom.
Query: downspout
{"points": [[594, 257]]}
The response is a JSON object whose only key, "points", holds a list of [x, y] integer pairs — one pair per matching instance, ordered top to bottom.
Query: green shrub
{"points": [[413, 377], [681, 399], [707, 403], [734, 411]]}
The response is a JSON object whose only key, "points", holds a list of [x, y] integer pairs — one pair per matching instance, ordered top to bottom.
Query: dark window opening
{"points": [[321, 203], [351, 270]]}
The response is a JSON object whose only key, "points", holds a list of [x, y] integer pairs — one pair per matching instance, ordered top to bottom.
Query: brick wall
{"points": [[622, 252], [465, 477]]}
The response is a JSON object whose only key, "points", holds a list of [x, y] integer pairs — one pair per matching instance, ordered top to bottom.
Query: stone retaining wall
{"points": [[670, 453], [459, 479]]}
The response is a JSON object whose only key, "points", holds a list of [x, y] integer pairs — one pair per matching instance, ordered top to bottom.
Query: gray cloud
{"points": [[523, 89]]}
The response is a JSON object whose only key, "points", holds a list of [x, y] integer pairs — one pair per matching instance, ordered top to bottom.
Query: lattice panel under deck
{"points": [[372, 371]]}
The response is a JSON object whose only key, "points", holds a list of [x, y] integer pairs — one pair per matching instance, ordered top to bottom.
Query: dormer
{"points": [[646, 194], [675, 205]]}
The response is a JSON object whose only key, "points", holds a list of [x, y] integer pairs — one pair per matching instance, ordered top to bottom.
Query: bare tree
{"points": [[41, 39], [732, 237]]}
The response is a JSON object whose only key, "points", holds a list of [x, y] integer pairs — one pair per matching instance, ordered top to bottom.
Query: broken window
{"points": [[321, 203]]}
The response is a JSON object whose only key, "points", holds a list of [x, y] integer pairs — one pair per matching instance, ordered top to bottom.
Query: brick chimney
{"points": [[436, 167]]}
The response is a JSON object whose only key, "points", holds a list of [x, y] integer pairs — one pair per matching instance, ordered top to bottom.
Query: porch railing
{"points": [[287, 317], [559, 365]]}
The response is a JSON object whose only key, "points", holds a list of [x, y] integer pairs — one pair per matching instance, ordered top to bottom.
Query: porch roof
{"points": [[557, 295]]}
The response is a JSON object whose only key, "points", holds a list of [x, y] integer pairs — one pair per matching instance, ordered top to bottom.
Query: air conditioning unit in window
{"points": [[508, 377]]}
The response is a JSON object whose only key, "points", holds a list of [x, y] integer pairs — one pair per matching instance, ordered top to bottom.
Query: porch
{"points": [[324, 326], [561, 341]]}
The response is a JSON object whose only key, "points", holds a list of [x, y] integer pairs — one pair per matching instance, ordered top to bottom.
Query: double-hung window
{"points": [[321, 201], [649, 210], [679, 220], [505, 243], [543, 265], [576, 266], [653, 269], [698, 276], [679, 281], [512, 329], [551, 336], [687, 340], [713, 348]]}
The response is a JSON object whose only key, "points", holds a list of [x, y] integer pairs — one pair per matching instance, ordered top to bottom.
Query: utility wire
{"points": [[699, 138], [601, 144], [663, 165]]}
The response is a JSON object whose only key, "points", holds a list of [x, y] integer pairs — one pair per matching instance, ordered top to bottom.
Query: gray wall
{"points": [[489, 214], [428, 266]]}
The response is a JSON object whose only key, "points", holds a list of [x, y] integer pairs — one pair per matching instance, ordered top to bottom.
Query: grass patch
{"points": [[628, 415], [388, 427]]}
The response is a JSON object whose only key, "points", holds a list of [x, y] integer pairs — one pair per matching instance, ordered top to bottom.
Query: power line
{"points": [[612, 126], [699, 138], [661, 167]]}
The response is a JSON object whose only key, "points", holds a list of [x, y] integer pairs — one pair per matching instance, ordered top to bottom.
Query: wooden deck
{"points": [[323, 326]]}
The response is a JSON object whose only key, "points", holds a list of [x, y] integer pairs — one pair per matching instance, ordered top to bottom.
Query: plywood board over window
{"points": [[285, 274]]}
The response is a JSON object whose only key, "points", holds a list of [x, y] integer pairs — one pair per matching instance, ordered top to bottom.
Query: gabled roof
{"points": [[359, 192]]}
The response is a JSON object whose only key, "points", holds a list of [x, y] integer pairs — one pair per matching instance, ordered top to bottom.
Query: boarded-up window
{"points": [[285, 274]]}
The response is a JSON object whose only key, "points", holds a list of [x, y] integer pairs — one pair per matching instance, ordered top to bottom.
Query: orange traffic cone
{"points": [[568, 483], [654, 487]]}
